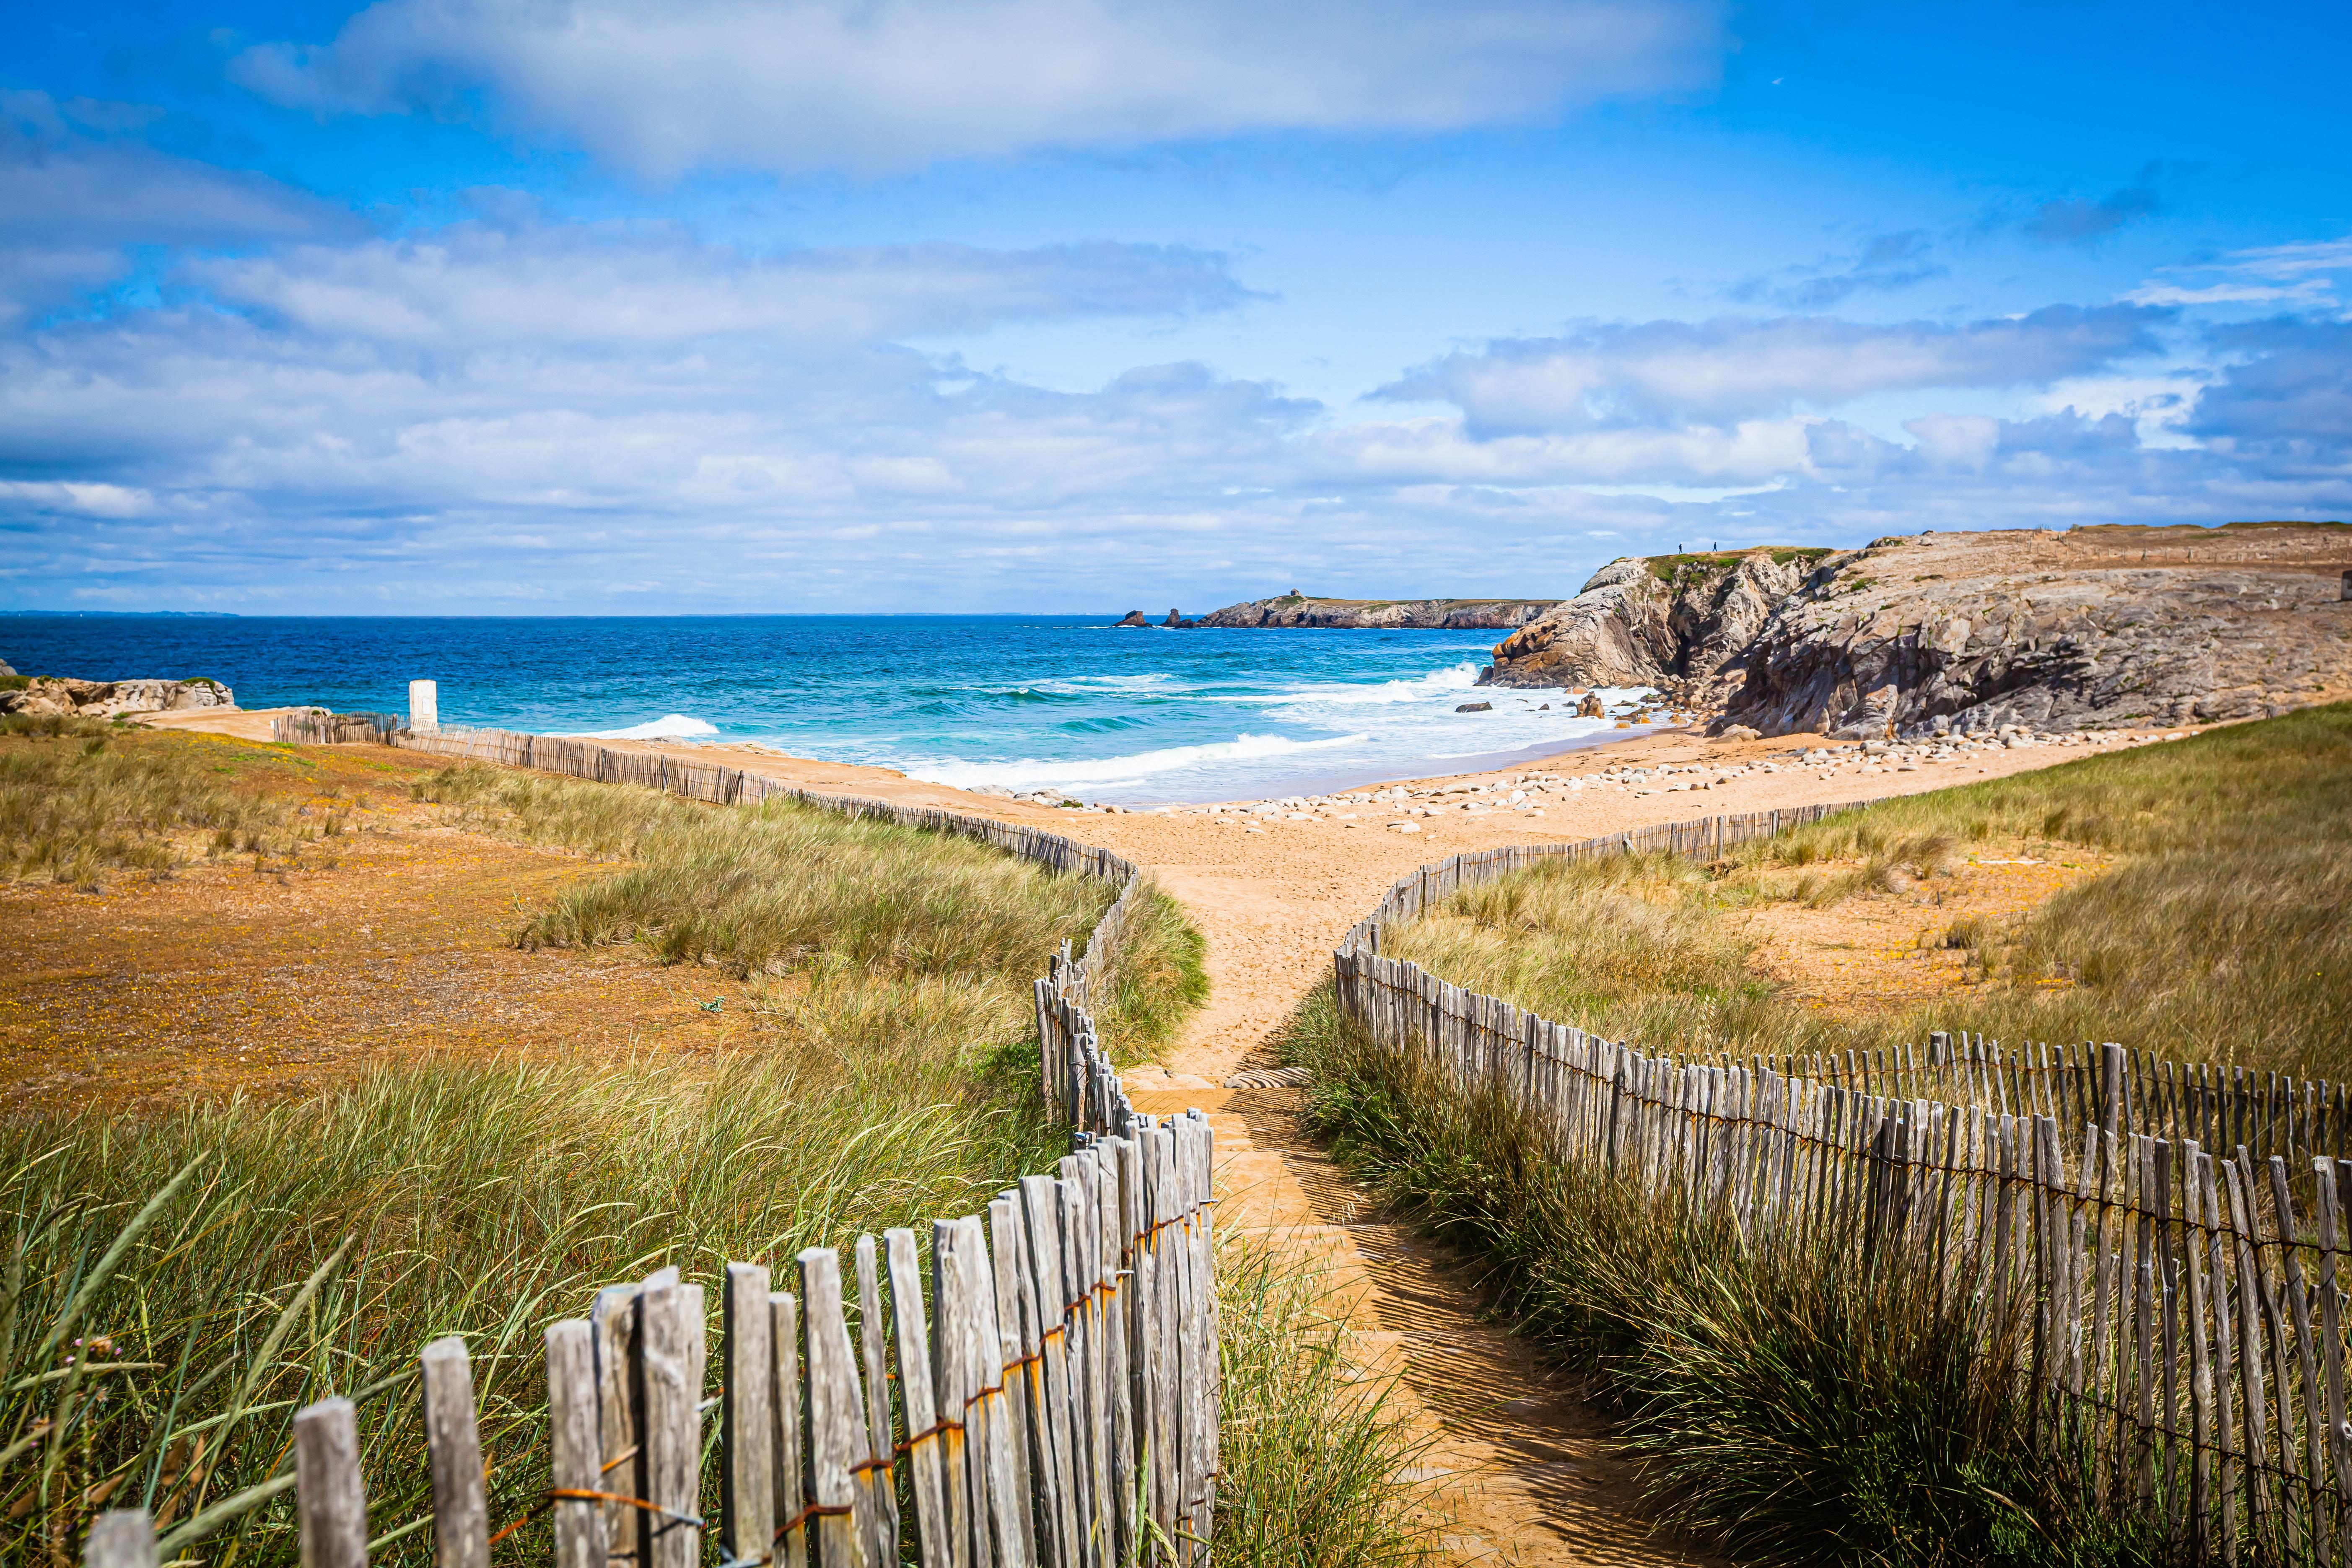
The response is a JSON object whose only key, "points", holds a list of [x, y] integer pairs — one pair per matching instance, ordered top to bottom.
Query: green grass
{"points": [[80, 798], [858, 930], [2217, 938], [478, 1198], [487, 1198], [1791, 1404], [1315, 1452]]}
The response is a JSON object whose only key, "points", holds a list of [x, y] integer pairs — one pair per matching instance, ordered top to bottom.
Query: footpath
{"points": [[1523, 1470]]}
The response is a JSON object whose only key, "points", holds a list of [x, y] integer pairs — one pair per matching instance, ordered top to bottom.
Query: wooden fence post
{"points": [[670, 1356], [836, 1441], [575, 1458], [746, 1480], [331, 1501], [461, 1520], [793, 1530], [124, 1538]]}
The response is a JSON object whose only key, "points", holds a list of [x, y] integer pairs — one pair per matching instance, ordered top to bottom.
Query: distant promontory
{"points": [[1297, 609]]}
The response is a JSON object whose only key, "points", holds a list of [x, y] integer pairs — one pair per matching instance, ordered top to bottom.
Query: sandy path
{"points": [[1526, 1471]]}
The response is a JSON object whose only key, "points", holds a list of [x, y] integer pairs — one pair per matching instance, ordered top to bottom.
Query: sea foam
{"points": [[668, 727]]}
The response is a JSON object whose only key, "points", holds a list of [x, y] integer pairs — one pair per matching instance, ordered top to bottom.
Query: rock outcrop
{"points": [[1295, 609], [1132, 618], [1648, 621], [2086, 629], [105, 698]]}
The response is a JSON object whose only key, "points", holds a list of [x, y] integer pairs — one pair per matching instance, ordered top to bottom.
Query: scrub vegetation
{"points": [[80, 799], [2217, 937], [1791, 1404]]}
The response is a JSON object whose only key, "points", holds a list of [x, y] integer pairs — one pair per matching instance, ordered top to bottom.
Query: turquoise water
{"points": [[1065, 702]]}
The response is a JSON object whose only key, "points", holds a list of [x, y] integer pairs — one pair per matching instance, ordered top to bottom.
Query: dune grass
{"points": [[80, 798], [862, 930], [2218, 939], [444, 1197], [306, 1245], [1791, 1405], [1316, 1455]]}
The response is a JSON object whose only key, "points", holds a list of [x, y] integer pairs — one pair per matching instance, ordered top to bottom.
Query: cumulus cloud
{"points": [[662, 86], [474, 286], [1734, 368], [2288, 401]]}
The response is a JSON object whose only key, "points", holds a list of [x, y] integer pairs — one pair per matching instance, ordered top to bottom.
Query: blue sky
{"points": [[624, 306]]}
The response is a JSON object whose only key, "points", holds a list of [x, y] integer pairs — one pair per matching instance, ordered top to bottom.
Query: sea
{"points": [[1069, 703]]}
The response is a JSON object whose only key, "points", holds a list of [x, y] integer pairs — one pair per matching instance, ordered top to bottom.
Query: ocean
{"points": [[1065, 702]]}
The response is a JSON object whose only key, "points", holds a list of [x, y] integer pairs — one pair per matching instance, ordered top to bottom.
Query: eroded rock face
{"points": [[1360, 615], [1669, 622], [2091, 628], [105, 698]]}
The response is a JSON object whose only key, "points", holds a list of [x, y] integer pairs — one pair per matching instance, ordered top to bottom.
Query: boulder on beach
{"points": [[67, 698], [1474, 706]]}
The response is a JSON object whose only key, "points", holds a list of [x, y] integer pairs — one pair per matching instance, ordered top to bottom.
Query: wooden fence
{"points": [[320, 728], [2168, 1303], [1042, 1390]]}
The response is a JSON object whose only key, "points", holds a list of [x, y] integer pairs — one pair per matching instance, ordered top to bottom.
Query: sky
{"points": [[674, 306]]}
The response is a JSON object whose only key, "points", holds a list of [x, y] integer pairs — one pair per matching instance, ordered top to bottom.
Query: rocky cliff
{"points": [[1361, 614], [2088, 629], [105, 698]]}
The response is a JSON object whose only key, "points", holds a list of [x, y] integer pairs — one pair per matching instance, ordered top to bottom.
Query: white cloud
{"points": [[662, 86], [2301, 276], [473, 288], [1721, 371], [1956, 441], [1752, 452], [75, 500]]}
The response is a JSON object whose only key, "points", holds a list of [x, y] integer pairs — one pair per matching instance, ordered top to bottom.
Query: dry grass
{"points": [[79, 799], [863, 930], [2218, 939], [316, 1242]]}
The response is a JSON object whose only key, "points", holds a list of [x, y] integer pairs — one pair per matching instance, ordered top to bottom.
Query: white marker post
{"points": [[424, 705]]}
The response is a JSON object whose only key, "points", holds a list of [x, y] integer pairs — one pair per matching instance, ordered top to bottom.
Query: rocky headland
{"points": [[1297, 609], [2091, 628], [37, 695]]}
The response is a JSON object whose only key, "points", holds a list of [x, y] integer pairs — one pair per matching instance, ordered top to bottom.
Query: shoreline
{"points": [[1767, 772]]}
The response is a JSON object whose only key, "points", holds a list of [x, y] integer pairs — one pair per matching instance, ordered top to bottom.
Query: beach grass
{"points": [[80, 798], [856, 929], [2218, 937], [484, 1198], [179, 1281], [1788, 1403], [1319, 1458]]}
